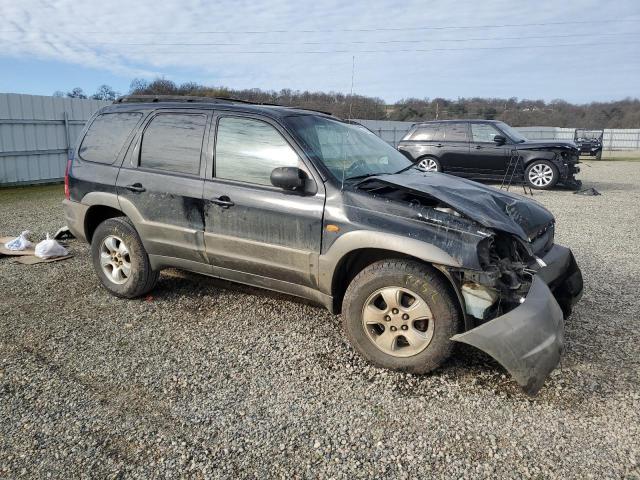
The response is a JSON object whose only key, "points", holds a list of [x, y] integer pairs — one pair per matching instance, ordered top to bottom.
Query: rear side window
{"points": [[455, 132], [425, 134], [106, 135], [173, 142], [248, 150]]}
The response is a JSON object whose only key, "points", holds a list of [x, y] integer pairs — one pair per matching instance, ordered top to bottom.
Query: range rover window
{"points": [[455, 132], [483, 132], [425, 133], [106, 136], [173, 142], [247, 150]]}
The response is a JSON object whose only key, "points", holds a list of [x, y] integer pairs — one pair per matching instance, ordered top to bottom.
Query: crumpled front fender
{"points": [[528, 341]]}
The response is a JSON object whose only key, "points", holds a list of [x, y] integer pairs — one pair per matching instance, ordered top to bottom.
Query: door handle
{"points": [[439, 145], [478, 147], [136, 187], [223, 201]]}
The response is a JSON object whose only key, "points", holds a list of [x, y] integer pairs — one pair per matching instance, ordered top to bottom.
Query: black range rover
{"points": [[481, 150]]}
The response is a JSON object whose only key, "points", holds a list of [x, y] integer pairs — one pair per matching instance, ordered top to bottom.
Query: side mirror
{"points": [[500, 139], [288, 178]]}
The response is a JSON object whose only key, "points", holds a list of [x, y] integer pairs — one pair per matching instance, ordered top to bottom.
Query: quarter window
{"points": [[455, 132], [483, 132], [106, 136], [173, 142], [248, 150]]}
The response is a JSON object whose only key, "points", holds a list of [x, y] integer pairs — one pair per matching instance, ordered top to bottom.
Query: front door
{"points": [[486, 156], [160, 184], [252, 227]]}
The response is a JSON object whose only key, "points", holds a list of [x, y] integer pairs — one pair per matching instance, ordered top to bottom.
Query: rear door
{"points": [[422, 141], [454, 146], [486, 156], [160, 184], [253, 228]]}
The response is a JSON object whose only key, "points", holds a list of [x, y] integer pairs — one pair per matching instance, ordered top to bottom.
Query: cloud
{"points": [[147, 39]]}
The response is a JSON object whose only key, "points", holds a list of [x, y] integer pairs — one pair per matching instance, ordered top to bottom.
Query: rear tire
{"points": [[429, 164], [541, 174], [120, 260], [401, 314]]}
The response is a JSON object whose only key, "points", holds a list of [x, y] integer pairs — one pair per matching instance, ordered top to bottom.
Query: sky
{"points": [[576, 50]]}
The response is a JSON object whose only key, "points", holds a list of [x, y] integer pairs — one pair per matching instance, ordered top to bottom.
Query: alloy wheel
{"points": [[428, 165], [540, 175], [115, 259], [397, 321]]}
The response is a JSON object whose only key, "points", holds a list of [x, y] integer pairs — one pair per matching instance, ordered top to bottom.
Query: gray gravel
{"points": [[214, 380]]}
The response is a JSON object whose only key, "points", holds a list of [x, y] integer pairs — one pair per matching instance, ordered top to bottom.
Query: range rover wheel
{"points": [[429, 164], [541, 174], [120, 260], [400, 314]]}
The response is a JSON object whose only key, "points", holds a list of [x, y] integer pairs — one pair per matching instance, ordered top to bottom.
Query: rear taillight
{"points": [[67, 192]]}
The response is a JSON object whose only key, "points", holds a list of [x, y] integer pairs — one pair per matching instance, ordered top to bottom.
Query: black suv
{"points": [[589, 142], [482, 150], [300, 202]]}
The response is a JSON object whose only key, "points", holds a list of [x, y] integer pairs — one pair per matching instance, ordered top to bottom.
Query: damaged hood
{"points": [[545, 145], [488, 206]]}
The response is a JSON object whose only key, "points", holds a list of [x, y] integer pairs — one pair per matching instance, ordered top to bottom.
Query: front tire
{"points": [[541, 174], [120, 260], [400, 314]]}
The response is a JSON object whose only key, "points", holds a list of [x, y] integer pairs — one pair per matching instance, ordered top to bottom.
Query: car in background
{"points": [[589, 142], [483, 149]]}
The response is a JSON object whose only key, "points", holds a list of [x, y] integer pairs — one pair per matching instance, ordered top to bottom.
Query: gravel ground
{"points": [[209, 379]]}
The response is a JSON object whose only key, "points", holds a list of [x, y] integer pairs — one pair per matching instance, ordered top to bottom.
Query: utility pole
{"points": [[437, 109]]}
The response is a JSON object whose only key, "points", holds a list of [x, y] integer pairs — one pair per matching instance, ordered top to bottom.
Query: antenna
{"points": [[353, 71], [344, 158]]}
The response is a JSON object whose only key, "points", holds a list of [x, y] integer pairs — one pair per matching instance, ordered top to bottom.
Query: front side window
{"points": [[455, 132], [483, 132], [106, 136], [173, 142], [247, 150], [347, 151]]}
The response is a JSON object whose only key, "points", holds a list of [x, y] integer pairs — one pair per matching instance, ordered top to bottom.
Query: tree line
{"points": [[518, 112]]}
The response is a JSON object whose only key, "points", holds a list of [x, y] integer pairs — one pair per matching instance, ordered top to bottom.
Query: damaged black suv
{"points": [[483, 150], [300, 202]]}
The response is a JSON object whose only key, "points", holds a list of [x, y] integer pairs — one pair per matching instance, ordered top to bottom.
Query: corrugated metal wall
{"points": [[36, 133], [613, 140]]}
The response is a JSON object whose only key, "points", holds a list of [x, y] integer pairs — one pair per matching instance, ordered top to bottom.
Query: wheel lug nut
{"points": [[395, 311], [405, 316], [387, 318], [404, 327], [393, 329]]}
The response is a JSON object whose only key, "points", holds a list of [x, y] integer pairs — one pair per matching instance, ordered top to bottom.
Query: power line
{"points": [[354, 30], [354, 42], [401, 50]]}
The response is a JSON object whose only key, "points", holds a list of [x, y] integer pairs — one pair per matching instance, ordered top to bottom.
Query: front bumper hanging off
{"points": [[528, 341]]}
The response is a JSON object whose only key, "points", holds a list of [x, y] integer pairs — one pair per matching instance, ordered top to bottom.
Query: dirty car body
{"points": [[513, 285]]}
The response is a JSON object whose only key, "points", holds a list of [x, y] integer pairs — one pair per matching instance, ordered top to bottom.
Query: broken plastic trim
{"points": [[528, 341]]}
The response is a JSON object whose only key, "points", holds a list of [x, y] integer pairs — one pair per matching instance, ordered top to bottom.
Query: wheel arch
{"points": [[355, 251]]}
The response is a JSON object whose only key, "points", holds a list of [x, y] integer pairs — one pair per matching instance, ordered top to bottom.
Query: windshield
{"points": [[511, 132], [348, 151]]}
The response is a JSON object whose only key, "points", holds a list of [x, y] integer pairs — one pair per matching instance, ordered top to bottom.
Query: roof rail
{"points": [[176, 98]]}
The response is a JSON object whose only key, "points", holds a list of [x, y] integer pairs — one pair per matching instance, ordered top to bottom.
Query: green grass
{"points": [[32, 192]]}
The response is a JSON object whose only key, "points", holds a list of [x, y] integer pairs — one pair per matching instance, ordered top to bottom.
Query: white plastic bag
{"points": [[21, 242], [49, 248]]}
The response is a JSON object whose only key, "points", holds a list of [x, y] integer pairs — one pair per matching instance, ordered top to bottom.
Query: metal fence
{"points": [[36, 133], [613, 140]]}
